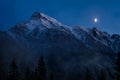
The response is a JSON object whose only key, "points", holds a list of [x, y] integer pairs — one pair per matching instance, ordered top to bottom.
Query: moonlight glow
{"points": [[95, 20]]}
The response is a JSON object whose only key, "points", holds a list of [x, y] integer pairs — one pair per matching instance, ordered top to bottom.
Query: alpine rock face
{"points": [[68, 50]]}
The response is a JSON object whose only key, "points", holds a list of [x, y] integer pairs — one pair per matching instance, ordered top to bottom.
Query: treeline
{"points": [[117, 68], [41, 73]]}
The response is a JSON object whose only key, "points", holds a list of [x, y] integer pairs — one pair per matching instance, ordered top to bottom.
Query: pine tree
{"points": [[117, 68], [2, 70], [41, 70], [13, 74], [28, 74], [33, 75], [102, 75], [51, 76], [112, 76], [88, 77]]}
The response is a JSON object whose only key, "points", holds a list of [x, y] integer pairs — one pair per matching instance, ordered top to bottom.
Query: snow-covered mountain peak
{"points": [[44, 18], [39, 21], [43, 21], [96, 31], [99, 34]]}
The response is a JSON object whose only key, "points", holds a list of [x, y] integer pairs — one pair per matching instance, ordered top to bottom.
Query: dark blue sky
{"points": [[69, 12]]}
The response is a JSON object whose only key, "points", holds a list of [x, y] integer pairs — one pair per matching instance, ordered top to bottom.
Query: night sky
{"points": [[69, 12]]}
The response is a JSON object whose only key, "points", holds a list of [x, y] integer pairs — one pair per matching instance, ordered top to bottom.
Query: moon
{"points": [[95, 20]]}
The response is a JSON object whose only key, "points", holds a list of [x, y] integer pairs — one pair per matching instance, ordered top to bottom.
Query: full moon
{"points": [[95, 20]]}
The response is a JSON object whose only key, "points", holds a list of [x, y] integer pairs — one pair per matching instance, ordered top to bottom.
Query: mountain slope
{"points": [[92, 37], [66, 50]]}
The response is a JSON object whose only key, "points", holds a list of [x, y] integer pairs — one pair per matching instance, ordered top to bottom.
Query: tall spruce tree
{"points": [[117, 68], [2, 69], [41, 70], [13, 73], [28, 74], [88, 75], [102, 75], [51, 76], [112, 76]]}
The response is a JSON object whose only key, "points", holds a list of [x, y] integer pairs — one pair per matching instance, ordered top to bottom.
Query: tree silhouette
{"points": [[117, 68], [2, 69], [41, 70], [13, 73], [28, 74], [33, 75], [88, 75], [102, 75], [51, 76], [112, 76]]}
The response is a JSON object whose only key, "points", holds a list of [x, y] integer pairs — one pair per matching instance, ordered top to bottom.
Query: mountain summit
{"points": [[44, 17], [39, 22]]}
